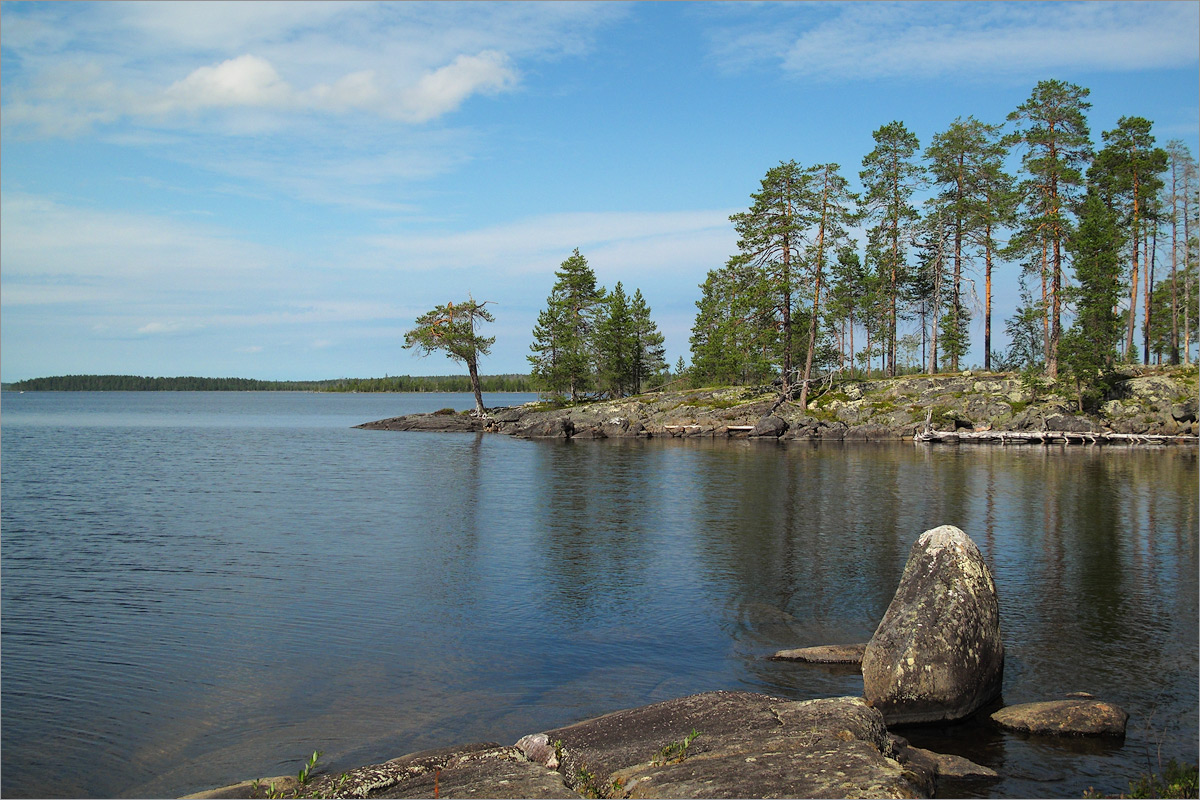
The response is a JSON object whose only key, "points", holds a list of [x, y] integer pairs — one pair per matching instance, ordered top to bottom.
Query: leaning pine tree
{"points": [[451, 329]]}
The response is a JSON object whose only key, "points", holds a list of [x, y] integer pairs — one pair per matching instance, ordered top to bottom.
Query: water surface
{"points": [[203, 587]]}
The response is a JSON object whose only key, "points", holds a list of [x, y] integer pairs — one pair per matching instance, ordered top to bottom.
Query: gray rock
{"points": [[1186, 411], [442, 423], [770, 426], [556, 428], [871, 433], [937, 653], [824, 654], [1074, 717], [748, 745], [952, 766], [476, 770]]}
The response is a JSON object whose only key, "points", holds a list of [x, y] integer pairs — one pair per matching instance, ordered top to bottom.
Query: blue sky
{"points": [[277, 190]]}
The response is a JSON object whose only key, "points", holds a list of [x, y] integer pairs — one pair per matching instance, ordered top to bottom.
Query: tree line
{"points": [[1095, 239], [590, 342], [395, 383]]}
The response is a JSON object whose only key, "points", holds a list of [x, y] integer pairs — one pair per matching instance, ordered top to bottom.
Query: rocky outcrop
{"points": [[894, 409], [937, 653], [824, 654], [1077, 716], [716, 744], [746, 745]]}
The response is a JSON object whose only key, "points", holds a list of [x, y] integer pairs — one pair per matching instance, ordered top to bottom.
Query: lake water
{"points": [[203, 587]]}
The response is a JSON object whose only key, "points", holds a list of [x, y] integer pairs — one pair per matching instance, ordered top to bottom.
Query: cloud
{"points": [[928, 40], [161, 64], [243, 81], [629, 241], [173, 326]]}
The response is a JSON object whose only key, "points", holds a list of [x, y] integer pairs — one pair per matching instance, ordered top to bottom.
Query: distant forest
{"points": [[398, 383]]}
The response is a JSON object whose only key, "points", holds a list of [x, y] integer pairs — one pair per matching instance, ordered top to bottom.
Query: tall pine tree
{"points": [[1054, 132], [890, 175]]}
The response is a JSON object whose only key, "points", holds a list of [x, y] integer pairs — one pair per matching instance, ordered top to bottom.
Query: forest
{"points": [[1100, 242], [397, 383]]}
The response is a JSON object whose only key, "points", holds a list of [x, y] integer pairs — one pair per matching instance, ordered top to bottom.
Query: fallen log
{"points": [[1052, 437]]}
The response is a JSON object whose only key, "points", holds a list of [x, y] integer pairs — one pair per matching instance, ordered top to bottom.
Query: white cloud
{"points": [[925, 40], [76, 68], [243, 81], [446, 88], [171, 326]]}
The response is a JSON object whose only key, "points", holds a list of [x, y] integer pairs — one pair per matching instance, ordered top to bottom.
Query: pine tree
{"points": [[1052, 127], [890, 176], [976, 199], [832, 212], [770, 237], [451, 328], [562, 360]]}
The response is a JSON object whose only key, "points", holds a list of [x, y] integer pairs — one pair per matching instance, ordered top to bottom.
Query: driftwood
{"points": [[1050, 437]]}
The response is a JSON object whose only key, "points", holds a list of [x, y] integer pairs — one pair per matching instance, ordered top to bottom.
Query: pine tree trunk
{"points": [[1133, 282], [987, 300], [473, 370]]}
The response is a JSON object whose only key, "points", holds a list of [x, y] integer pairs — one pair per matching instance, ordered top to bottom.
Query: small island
{"points": [[1144, 405]]}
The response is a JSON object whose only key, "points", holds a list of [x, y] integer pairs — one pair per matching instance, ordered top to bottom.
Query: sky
{"points": [[277, 190]]}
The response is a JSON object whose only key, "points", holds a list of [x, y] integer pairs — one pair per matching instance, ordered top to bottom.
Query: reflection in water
{"points": [[186, 606]]}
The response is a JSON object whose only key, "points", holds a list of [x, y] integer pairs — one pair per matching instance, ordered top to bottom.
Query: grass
{"points": [[674, 752], [305, 774], [1178, 780]]}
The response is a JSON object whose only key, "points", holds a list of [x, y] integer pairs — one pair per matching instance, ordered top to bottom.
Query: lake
{"points": [[199, 588]]}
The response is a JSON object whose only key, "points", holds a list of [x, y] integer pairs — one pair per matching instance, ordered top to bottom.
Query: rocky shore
{"points": [[1147, 404], [936, 656]]}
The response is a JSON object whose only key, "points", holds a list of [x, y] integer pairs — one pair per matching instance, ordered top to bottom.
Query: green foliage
{"points": [[1052, 127], [890, 175], [451, 329], [562, 356], [394, 383], [674, 752], [305, 773], [586, 780], [1177, 781]]}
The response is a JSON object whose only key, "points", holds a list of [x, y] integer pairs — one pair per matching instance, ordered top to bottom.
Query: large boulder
{"points": [[937, 653]]}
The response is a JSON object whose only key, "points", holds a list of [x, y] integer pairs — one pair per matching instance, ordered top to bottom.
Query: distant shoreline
{"points": [[512, 382]]}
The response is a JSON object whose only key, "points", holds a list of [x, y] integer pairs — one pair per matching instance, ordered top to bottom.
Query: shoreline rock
{"points": [[957, 408], [937, 653], [1076, 716], [715, 744]]}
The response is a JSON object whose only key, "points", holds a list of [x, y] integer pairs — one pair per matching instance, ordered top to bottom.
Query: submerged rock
{"points": [[937, 653], [824, 654], [1078, 716]]}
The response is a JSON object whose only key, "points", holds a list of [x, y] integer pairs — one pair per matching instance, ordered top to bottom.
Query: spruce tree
{"points": [[1129, 167], [616, 345], [1089, 347], [649, 354], [563, 361]]}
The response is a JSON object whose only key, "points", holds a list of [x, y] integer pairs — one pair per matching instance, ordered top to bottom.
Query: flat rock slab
{"points": [[440, 423], [825, 654], [1075, 717], [747, 745], [952, 766], [477, 770]]}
